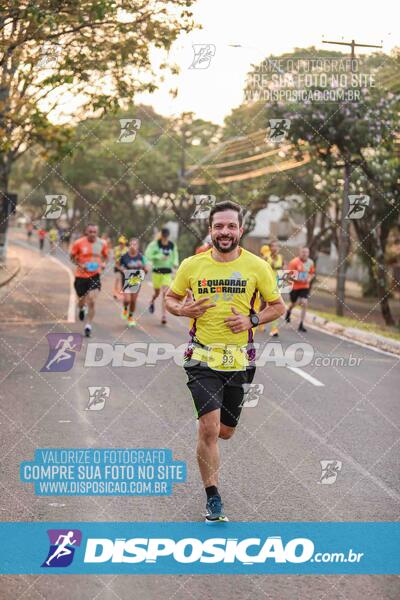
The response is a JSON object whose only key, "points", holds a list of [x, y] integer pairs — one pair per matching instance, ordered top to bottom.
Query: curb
{"points": [[13, 274], [353, 334]]}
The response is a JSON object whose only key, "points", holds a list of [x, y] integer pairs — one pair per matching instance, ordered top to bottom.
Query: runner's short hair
{"points": [[226, 205]]}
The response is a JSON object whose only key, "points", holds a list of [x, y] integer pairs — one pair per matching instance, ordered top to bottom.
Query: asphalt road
{"points": [[270, 469]]}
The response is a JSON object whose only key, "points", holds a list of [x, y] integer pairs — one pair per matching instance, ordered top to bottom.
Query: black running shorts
{"points": [[83, 285], [296, 294], [212, 390]]}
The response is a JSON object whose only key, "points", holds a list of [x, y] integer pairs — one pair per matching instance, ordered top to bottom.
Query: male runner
{"points": [[29, 230], [41, 236], [53, 238], [206, 245], [118, 250], [270, 253], [90, 254], [163, 254], [133, 266], [305, 273], [217, 290]]}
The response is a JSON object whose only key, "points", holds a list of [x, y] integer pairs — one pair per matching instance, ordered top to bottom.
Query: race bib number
{"points": [[92, 266], [302, 275], [132, 280], [222, 357]]}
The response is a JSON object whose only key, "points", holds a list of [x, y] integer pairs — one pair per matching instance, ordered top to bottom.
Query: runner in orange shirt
{"points": [[90, 254], [304, 269]]}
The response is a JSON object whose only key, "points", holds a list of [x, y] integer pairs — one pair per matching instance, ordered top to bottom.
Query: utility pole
{"points": [[344, 222]]}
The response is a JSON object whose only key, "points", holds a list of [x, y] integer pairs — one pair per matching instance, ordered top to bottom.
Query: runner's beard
{"points": [[225, 249]]}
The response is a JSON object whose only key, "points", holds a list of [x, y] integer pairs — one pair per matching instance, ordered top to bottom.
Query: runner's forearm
{"points": [[174, 306], [272, 312]]}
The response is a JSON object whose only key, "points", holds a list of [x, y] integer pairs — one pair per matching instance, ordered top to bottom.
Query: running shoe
{"points": [[151, 308], [82, 313], [124, 314], [287, 317], [163, 321], [131, 322], [302, 328], [88, 330], [274, 332], [215, 510]]}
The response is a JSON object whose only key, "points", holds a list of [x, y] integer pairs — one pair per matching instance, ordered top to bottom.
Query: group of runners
{"points": [[90, 254], [227, 293]]}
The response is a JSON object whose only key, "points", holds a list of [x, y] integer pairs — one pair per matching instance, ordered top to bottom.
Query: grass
{"points": [[389, 332]]}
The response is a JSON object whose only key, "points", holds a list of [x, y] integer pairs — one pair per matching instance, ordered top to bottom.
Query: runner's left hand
{"points": [[238, 322]]}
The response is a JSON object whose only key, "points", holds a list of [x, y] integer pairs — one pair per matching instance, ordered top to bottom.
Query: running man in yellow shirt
{"points": [[119, 251], [270, 254], [217, 290]]}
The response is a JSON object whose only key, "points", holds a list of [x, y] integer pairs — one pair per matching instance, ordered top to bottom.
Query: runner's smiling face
{"points": [[225, 231], [133, 247]]}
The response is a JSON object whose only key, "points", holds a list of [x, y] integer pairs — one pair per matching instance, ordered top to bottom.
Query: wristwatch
{"points": [[254, 320]]}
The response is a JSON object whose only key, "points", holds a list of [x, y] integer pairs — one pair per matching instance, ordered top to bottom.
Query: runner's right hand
{"points": [[195, 308]]}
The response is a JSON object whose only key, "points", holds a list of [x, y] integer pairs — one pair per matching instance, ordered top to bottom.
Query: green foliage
{"points": [[98, 51]]}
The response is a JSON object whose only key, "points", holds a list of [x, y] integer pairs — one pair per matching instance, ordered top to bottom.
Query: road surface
{"points": [[270, 469]]}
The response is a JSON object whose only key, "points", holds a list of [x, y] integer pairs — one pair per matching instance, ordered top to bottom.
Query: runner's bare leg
{"points": [[91, 299], [303, 304], [207, 447]]}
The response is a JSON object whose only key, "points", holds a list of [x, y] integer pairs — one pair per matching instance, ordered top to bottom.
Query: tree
{"points": [[96, 52]]}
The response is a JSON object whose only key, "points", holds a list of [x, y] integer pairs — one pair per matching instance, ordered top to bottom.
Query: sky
{"points": [[262, 28]]}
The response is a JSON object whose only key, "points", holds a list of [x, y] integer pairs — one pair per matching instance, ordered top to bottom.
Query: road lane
{"points": [[271, 468]]}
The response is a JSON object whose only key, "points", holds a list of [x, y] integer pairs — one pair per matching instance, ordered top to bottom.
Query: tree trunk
{"points": [[382, 287]]}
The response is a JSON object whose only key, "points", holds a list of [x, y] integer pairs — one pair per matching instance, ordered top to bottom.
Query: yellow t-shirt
{"points": [[265, 251], [118, 252], [276, 262], [236, 283]]}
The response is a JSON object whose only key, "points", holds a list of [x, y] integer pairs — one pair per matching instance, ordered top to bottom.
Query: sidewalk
{"points": [[9, 269], [366, 310], [369, 338]]}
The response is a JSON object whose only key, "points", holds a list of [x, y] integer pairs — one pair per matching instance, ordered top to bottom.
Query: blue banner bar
{"points": [[197, 548]]}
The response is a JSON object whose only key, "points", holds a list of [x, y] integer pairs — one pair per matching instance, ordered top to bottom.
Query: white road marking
{"points": [[306, 376]]}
